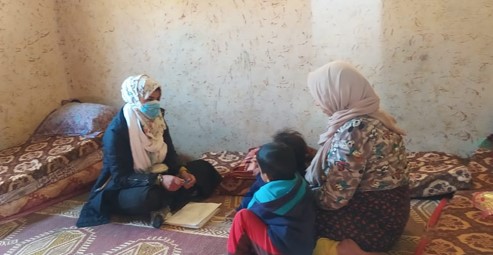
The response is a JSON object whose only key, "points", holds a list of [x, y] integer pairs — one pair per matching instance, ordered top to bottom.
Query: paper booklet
{"points": [[193, 215]]}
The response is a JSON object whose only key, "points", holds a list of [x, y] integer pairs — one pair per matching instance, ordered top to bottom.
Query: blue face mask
{"points": [[151, 109]]}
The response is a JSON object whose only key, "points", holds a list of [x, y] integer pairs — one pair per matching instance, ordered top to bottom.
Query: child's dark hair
{"points": [[296, 142], [277, 161]]}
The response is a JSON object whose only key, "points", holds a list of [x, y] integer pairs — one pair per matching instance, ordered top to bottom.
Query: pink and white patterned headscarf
{"points": [[138, 87], [343, 93]]}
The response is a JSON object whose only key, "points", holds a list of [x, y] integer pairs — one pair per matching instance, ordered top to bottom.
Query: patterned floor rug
{"points": [[421, 210], [460, 228], [52, 231]]}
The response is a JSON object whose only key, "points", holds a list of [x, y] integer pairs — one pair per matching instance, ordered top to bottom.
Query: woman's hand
{"points": [[189, 179], [171, 182]]}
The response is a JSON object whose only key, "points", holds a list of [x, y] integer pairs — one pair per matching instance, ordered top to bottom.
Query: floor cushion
{"points": [[39, 162], [225, 162], [437, 173]]}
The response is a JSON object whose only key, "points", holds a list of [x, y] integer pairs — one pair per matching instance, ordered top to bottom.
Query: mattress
{"points": [[40, 162], [44, 170], [79, 182]]}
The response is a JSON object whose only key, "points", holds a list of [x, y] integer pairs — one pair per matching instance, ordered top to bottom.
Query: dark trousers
{"points": [[140, 200], [143, 200]]}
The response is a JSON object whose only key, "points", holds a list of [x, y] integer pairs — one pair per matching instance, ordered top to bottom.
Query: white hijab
{"points": [[343, 93], [146, 135]]}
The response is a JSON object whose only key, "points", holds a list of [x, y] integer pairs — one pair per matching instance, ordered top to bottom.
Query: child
{"points": [[302, 154], [280, 218]]}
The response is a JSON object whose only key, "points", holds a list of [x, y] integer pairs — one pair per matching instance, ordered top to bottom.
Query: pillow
{"points": [[76, 119], [225, 162], [248, 165], [437, 173]]}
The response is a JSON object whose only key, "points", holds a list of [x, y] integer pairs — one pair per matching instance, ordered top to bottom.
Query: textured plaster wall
{"points": [[438, 60], [430, 61], [235, 71], [32, 73]]}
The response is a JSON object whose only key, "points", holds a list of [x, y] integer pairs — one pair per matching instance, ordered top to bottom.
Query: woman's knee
{"points": [[140, 200]]}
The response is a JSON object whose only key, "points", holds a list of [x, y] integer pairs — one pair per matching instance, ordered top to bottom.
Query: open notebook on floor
{"points": [[193, 215]]}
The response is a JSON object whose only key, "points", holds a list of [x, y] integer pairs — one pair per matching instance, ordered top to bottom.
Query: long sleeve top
{"points": [[364, 156], [118, 172]]}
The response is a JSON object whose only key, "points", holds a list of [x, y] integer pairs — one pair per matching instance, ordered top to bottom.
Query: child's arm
{"points": [[249, 195]]}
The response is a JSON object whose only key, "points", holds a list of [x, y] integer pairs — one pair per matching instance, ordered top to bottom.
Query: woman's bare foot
{"points": [[350, 247]]}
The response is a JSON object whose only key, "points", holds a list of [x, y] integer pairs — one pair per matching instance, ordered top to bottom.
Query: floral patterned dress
{"points": [[365, 195]]}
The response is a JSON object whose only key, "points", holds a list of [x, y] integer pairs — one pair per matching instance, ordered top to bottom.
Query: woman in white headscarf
{"points": [[141, 170], [359, 173]]}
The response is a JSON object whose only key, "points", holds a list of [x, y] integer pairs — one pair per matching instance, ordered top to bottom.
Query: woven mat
{"points": [[421, 211], [53, 231]]}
